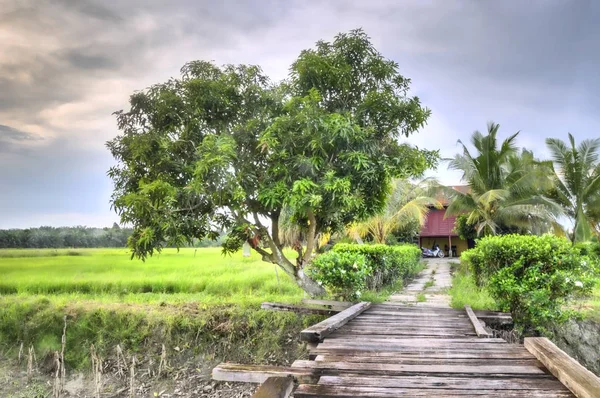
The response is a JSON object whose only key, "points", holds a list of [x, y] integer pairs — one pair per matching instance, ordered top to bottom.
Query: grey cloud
{"points": [[89, 8], [118, 48], [82, 59], [529, 66], [8, 133], [13, 140]]}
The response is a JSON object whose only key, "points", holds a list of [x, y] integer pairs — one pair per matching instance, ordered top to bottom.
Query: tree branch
{"points": [[275, 228], [277, 256]]}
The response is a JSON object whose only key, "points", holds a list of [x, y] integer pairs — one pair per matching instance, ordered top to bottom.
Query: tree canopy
{"points": [[223, 148]]}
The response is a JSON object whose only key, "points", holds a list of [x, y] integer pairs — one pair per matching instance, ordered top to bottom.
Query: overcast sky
{"points": [[66, 65]]}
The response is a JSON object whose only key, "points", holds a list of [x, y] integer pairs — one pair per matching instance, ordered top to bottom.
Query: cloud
{"points": [[66, 65], [8, 133], [15, 140]]}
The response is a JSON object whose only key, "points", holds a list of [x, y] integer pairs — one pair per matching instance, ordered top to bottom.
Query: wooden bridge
{"points": [[392, 350]]}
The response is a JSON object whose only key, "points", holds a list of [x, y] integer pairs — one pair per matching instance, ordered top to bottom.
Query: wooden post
{"points": [[450, 246], [479, 329], [317, 332], [581, 382]]}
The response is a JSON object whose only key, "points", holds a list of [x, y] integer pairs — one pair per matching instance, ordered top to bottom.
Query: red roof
{"points": [[437, 225]]}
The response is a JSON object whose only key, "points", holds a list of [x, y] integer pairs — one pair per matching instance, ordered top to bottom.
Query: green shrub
{"points": [[591, 250], [388, 263], [351, 268], [342, 273], [533, 277]]}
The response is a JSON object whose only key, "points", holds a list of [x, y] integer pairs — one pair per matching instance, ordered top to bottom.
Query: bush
{"points": [[591, 250], [383, 266], [343, 274], [533, 277]]}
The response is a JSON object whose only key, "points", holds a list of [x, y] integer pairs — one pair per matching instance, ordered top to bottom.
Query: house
{"points": [[440, 229]]}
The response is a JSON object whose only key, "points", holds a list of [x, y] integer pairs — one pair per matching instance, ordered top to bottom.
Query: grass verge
{"points": [[464, 291], [197, 302], [235, 333]]}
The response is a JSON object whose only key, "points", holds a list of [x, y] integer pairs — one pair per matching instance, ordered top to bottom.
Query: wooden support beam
{"points": [[331, 304], [297, 309], [496, 318], [479, 329], [319, 331], [260, 373], [581, 382], [275, 387]]}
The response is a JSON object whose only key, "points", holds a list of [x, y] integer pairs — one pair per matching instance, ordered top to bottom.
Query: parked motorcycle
{"points": [[434, 252]]}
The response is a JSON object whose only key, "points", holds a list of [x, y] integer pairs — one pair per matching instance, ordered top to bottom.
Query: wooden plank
{"points": [[332, 304], [296, 308], [435, 310], [425, 311], [492, 314], [392, 315], [464, 322], [407, 323], [411, 323], [322, 329], [479, 329], [399, 332], [471, 342], [385, 346], [421, 353], [426, 360], [399, 369], [259, 373], [582, 382], [465, 383], [275, 387], [314, 390]]}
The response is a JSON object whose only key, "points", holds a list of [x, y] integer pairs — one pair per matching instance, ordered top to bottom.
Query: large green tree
{"points": [[224, 149], [577, 183], [507, 187]]}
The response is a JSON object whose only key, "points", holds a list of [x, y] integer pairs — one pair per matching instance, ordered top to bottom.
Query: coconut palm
{"points": [[577, 183], [506, 187], [407, 206]]}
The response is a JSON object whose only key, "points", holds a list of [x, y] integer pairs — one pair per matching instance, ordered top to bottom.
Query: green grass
{"points": [[109, 276], [429, 284], [464, 291], [421, 298], [198, 299], [592, 305]]}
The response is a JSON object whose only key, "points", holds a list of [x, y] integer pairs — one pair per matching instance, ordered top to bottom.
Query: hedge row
{"points": [[348, 269], [534, 277]]}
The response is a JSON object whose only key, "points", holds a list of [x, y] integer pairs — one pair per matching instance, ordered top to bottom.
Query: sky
{"points": [[67, 65]]}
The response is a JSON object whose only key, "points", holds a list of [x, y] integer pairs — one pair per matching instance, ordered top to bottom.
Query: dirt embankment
{"points": [[581, 340], [174, 351], [184, 381]]}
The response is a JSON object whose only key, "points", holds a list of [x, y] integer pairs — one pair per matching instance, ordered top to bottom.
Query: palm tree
{"points": [[577, 183], [506, 187], [407, 207]]}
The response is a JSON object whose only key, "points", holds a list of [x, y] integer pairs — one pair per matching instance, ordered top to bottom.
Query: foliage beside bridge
{"points": [[349, 269], [536, 278]]}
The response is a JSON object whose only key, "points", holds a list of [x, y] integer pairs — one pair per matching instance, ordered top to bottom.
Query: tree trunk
{"points": [[277, 257], [304, 281], [308, 285]]}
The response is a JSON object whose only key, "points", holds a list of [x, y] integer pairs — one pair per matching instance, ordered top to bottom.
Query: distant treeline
{"points": [[64, 237], [73, 237]]}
